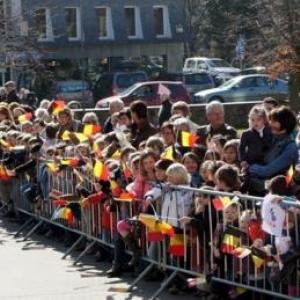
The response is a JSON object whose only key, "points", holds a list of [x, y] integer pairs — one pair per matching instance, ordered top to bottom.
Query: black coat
{"points": [[12, 97], [164, 113], [207, 131], [253, 147]]}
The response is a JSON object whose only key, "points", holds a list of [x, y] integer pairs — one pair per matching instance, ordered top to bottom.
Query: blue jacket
{"points": [[282, 154]]}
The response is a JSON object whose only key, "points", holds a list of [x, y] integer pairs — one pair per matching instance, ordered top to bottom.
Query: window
{"points": [[73, 20], [161, 21], [133, 22], [104, 23], [43, 24], [201, 65]]}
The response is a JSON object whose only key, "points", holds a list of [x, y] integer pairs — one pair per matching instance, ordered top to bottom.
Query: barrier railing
{"points": [[194, 246]]}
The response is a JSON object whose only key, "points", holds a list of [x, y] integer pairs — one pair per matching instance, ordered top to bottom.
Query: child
{"points": [[256, 140], [218, 141], [156, 144], [230, 153], [212, 154], [191, 162], [206, 173], [227, 179], [142, 183], [153, 197], [177, 203], [200, 219], [284, 252], [221, 259]]}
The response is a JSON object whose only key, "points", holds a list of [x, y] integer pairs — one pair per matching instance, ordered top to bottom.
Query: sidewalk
{"points": [[34, 270]]}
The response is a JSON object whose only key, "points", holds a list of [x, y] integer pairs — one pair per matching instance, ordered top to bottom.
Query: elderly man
{"points": [[11, 95], [115, 105], [215, 116]]}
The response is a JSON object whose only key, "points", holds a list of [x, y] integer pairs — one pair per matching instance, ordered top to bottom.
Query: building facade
{"points": [[91, 29]]}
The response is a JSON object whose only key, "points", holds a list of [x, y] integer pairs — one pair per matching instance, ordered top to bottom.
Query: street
{"points": [[34, 270]]}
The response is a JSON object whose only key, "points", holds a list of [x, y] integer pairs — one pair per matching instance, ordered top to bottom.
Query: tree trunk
{"points": [[294, 86]]}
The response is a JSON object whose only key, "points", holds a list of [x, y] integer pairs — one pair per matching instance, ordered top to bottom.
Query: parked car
{"points": [[216, 67], [253, 70], [194, 82], [111, 84], [245, 88], [75, 90], [150, 93]]}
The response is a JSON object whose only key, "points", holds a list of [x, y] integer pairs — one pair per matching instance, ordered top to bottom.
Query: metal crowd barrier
{"points": [[196, 258]]}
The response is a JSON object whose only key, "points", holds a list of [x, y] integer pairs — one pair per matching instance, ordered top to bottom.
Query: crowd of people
{"points": [[143, 159]]}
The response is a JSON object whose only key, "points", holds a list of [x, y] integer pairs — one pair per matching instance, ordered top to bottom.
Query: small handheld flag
{"points": [[56, 106], [90, 129], [188, 139], [168, 154], [100, 170], [289, 175], [221, 203], [176, 247], [258, 257]]}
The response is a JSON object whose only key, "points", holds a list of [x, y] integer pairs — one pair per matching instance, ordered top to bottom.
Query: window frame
{"points": [[166, 21], [137, 22], [78, 24], [48, 25], [109, 25]]}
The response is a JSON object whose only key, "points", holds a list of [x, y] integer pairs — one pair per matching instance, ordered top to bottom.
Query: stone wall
{"points": [[236, 114]]}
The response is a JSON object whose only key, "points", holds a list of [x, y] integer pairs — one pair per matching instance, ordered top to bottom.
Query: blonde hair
{"points": [[180, 172]]}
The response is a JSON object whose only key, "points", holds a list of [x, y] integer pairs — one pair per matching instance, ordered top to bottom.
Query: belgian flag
{"points": [[56, 106], [25, 117], [90, 129], [188, 139], [168, 154], [73, 162], [100, 170], [221, 203], [154, 234], [231, 239], [176, 247], [258, 257]]}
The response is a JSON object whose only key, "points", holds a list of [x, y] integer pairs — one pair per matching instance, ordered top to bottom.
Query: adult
{"points": [[3, 93], [11, 96], [269, 103], [115, 106], [182, 109], [164, 112], [215, 115], [90, 118], [66, 122], [141, 128], [283, 151]]}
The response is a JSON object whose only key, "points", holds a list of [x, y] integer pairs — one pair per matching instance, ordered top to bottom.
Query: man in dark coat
{"points": [[164, 113], [141, 128]]}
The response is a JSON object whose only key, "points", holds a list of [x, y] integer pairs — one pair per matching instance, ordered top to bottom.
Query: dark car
{"points": [[194, 82], [111, 84], [75, 90], [150, 92]]}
